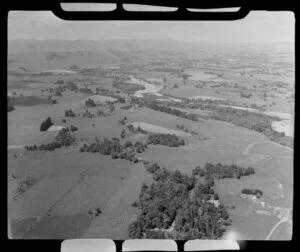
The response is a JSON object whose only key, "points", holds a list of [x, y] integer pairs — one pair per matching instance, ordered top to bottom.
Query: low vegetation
{"points": [[23, 186]]}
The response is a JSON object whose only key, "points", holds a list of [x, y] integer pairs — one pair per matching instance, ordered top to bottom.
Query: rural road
{"points": [[251, 145], [278, 223]]}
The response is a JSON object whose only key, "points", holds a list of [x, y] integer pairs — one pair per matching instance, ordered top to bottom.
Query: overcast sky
{"points": [[257, 27]]}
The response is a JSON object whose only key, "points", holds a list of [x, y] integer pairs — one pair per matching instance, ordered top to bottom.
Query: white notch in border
{"points": [[90, 7], [140, 7], [233, 9], [149, 244], [88, 245], [201, 245]]}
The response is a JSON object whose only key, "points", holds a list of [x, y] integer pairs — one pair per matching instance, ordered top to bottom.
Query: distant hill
{"points": [[31, 45]]}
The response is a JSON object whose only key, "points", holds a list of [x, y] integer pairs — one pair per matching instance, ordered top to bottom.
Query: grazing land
{"points": [[154, 142]]}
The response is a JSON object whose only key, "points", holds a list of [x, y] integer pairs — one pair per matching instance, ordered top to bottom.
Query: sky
{"points": [[256, 27]]}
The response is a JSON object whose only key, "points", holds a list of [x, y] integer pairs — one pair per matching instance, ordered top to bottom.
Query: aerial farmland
{"points": [[119, 139]]}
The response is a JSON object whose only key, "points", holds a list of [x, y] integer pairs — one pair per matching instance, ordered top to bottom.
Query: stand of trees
{"points": [[45, 125], [170, 140], [115, 149], [220, 171], [256, 192], [177, 206]]}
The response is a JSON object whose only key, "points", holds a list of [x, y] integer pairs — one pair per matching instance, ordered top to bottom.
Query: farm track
{"points": [[78, 181], [118, 212], [277, 224]]}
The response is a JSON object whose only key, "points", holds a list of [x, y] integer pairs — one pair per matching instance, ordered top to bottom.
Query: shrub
{"points": [[58, 93], [89, 103], [10, 106], [69, 113], [45, 125], [73, 128], [135, 204]]}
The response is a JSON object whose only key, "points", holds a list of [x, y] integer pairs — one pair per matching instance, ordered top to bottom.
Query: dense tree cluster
{"points": [[59, 82], [86, 90], [121, 99], [89, 103], [69, 113], [45, 125], [170, 140], [44, 147], [115, 149], [220, 171], [256, 192], [178, 206]]}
